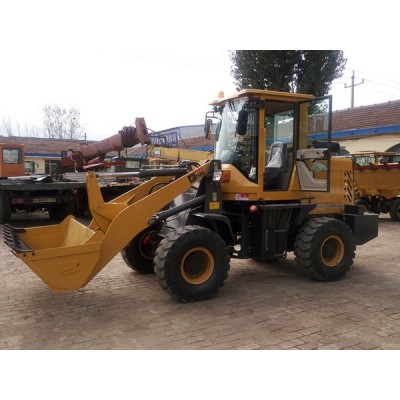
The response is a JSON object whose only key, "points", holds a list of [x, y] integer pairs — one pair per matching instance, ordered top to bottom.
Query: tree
{"points": [[297, 71], [60, 123], [7, 126], [15, 129], [32, 130]]}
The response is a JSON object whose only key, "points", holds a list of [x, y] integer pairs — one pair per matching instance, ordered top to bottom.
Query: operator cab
{"points": [[264, 134]]}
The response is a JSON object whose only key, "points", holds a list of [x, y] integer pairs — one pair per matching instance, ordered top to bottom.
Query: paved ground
{"points": [[262, 306]]}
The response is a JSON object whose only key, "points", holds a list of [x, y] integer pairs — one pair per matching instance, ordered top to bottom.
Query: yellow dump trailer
{"points": [[377, 177]]}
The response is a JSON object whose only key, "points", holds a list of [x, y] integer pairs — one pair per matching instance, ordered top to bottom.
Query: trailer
{"points": [[377, 178]]}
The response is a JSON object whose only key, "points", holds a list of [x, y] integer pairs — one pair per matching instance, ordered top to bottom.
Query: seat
{"points": [[276, 165]]}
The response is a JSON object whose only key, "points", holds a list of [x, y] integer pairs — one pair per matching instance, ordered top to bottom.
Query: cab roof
{"points": [[265, 95]]}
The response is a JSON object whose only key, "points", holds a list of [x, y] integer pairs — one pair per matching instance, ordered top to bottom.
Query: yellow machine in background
{"points": [[164, 155], [377, 176], [273, 186]]}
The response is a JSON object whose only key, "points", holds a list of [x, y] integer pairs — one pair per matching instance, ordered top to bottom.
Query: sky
{"points": [[116, 61]]}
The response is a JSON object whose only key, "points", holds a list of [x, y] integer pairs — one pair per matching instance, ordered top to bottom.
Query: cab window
{"points": [[12, 156]]}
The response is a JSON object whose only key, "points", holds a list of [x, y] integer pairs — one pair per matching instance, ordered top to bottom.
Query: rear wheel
{"points": [[395, 209], [60, 212], [325, 248], [139, 254], [191, 263]]}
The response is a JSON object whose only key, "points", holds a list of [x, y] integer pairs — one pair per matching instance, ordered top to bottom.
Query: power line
{"points": [[185, 58], [182, 61], [376, 77], [378, 82], [383, 84], [385, 93]]}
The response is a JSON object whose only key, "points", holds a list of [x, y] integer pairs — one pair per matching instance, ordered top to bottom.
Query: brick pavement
{"points": [[262, 306]]}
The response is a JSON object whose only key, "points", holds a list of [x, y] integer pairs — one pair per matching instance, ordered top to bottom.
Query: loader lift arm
{"points": [[69, 255]]}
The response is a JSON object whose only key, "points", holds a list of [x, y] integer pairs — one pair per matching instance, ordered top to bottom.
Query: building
{"points": [[368, 128]]}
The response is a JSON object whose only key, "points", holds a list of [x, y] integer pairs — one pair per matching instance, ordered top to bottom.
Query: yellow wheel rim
{"points": [[332, 251], [197, 266]]}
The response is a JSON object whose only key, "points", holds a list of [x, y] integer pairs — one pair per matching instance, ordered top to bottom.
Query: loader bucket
{"points": [[62, 255], [69, 255]]}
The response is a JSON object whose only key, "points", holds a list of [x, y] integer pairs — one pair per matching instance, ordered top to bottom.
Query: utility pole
{"points": [[352, 88]]}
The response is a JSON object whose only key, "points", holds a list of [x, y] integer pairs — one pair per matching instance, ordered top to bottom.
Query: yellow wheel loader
{"points": [[273, 187]]}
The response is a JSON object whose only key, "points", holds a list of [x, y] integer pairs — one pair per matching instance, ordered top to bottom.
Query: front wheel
{"points": [[395, 209], [325, 248], [191, 263]]}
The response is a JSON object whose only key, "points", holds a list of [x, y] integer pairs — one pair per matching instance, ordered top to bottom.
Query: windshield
{"points": [[238, 150]]}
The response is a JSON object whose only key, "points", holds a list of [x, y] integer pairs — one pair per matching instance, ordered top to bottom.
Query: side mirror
{"points": [[242, 122], [207, 128]]}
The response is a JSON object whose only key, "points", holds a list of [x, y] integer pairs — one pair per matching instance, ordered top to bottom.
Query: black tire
{"points": [[364, 203], [5, 207], [395, 209], [325, 248], [139, 254], [191, 263]]}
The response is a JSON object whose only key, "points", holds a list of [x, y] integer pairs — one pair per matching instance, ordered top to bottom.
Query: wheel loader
{"points": [[274, 186]]}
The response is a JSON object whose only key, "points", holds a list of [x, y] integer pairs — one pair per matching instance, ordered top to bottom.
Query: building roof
{"points": [[375, 115], [46, 146]]}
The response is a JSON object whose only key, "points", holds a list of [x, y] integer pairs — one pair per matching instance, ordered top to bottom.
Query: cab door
{"points": [[314, 147]]}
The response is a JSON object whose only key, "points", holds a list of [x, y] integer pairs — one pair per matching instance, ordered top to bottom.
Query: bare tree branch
{"points": [[62, 123], [7, 126]]}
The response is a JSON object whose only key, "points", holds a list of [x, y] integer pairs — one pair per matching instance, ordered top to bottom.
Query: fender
{"points": [[218, 223]]}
